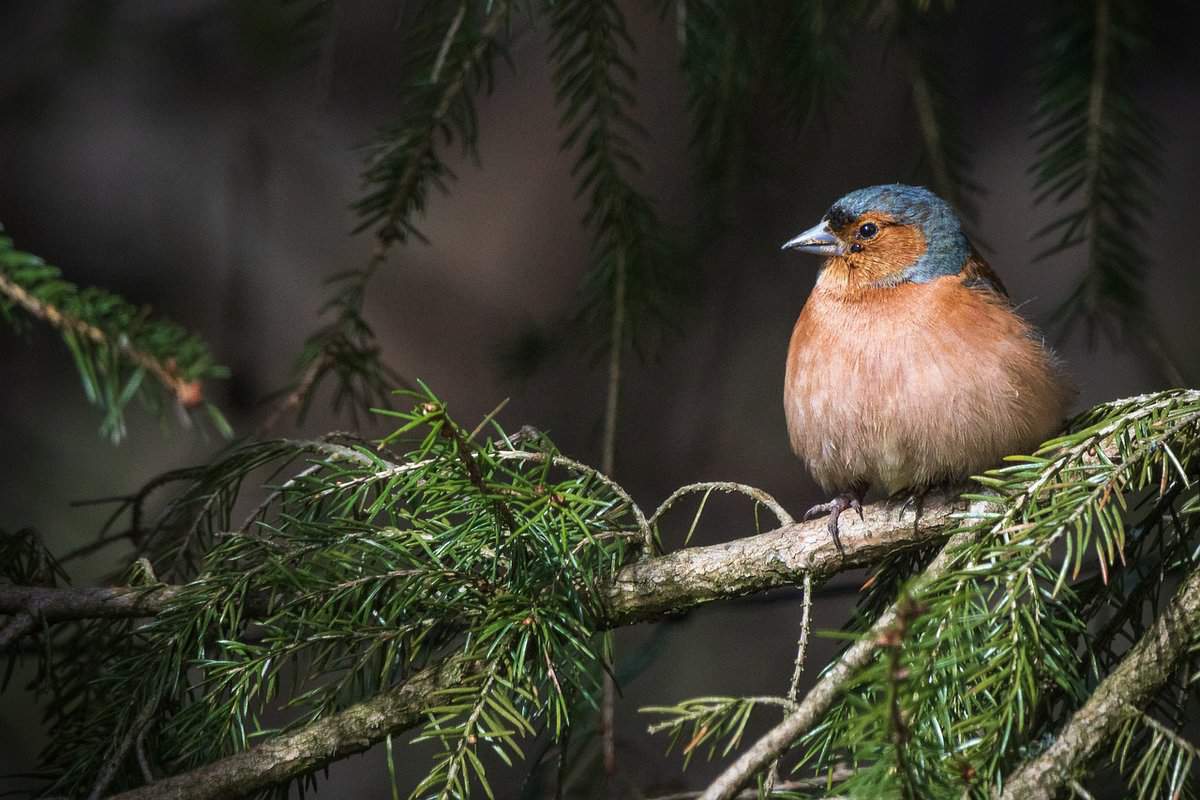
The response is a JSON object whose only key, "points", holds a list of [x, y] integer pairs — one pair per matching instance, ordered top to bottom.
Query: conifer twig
{"points": [[188, 393], [754, 493], [21, 624], [1142, 672]]}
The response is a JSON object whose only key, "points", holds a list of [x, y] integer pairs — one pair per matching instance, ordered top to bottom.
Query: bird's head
{"points": [[884, 236]]}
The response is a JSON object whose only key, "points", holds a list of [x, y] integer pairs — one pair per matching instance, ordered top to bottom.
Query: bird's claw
{"points": [[834, 509]]}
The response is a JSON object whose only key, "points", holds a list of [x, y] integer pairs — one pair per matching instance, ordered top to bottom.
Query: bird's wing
{"points": [[976, 274]]}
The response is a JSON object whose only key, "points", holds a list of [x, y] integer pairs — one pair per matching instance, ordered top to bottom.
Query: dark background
{"points": [[179, 154]]}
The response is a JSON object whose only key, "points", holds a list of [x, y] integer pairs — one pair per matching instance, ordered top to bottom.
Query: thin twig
{"points": [[292, 400], [754, 493], [98, 544], [802, 645], [797, 668], [608, 703], [139, 749], [112, 764], [800, 785]]}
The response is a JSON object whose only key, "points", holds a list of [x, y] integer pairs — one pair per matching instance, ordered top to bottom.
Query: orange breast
{"points": [[916, 384]]}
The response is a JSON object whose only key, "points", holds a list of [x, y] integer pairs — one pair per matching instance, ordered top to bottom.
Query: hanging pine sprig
{"points": [[452, 49], [449, 51], [740, 57], [719, 60], [812, 71], [1097, 156], [630, 284], [120, 351]]}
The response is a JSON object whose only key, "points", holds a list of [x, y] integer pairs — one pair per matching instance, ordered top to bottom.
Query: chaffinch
{"points": [[908, 366]]}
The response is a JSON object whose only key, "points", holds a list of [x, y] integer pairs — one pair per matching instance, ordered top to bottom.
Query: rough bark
{"points": [[686, 578], [62, 605]]}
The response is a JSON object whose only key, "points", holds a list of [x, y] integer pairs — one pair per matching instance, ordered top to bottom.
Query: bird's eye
{"points": [[868, 230]]}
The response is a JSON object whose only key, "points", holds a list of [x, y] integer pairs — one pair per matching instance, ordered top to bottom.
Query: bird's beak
{"points": [[819, 240]]}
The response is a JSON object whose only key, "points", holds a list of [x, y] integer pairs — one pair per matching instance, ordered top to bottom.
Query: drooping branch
{"points": [[188, 392], [1142, 672]]}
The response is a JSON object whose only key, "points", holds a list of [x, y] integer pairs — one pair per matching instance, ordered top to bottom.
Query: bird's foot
{"points": [[908, 498], [834, 509]]}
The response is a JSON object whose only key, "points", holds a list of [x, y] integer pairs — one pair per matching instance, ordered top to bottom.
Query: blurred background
{"points": [[202, 156]]}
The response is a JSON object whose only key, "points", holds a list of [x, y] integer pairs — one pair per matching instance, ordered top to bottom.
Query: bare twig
{"points": [[292, 400], [755, 494], [802, 645], [1145, 668], [797, 669], [608, 703], [116, 757], [803, 784]]}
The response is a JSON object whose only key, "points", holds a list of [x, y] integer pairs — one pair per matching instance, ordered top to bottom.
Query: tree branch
{"points": [[690, 577], [641, 591], [65, 604], [1142, 672], [819, 698], [292, 755]]}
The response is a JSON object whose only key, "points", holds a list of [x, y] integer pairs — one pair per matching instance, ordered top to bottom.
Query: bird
{"points": [[909, 367]]}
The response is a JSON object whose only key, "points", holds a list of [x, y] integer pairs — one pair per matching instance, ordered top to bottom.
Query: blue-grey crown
{"points": [[946, 246]]}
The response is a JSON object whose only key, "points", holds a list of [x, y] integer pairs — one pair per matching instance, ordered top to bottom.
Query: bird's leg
{"points": [[834, 509]]}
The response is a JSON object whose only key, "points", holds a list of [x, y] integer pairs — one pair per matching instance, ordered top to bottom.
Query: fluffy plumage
{"points": [[908, 366]]}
